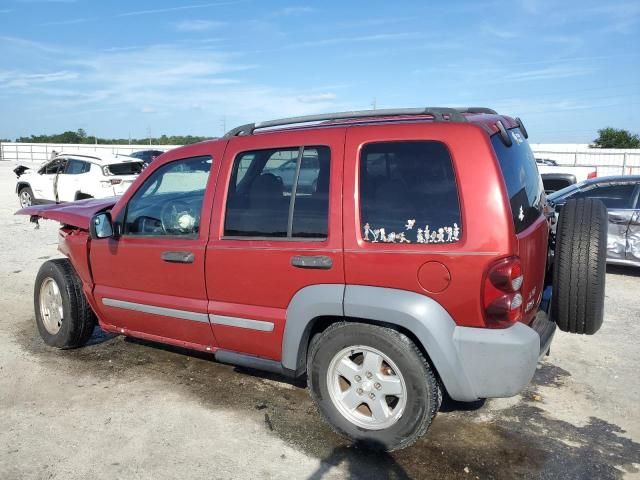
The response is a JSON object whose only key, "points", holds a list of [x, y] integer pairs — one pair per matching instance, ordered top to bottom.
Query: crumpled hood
{"points": [[77, 214]]}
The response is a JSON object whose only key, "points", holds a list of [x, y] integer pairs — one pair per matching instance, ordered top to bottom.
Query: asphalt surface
{"points": [[121, 408]]}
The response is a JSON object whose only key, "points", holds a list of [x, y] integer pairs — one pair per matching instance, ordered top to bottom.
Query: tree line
{"points": [[80, 136], [607, 138]]}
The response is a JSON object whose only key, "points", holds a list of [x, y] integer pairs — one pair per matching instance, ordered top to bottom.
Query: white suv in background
{"points": [[70, 177]]}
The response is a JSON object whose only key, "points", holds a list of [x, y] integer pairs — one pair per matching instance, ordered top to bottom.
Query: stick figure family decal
{"points": [[444, 234]]}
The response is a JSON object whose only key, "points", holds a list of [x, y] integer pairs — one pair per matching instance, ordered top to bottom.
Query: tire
{"points": [[25, 197], [580, 266], [63, 316], [408, 419]]}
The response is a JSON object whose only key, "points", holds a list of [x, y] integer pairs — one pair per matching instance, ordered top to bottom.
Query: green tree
{"points": [[616, 138]]}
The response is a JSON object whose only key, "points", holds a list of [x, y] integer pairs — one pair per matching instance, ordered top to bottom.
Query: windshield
{"points": [[521, 177]]}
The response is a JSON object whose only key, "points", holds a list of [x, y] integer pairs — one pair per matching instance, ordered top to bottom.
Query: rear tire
{"points": [[25, 196], [580, 266], [63, 315], [387, 407]]}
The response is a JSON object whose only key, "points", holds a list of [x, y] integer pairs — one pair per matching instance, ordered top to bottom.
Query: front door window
{"points": [[170, 200]]}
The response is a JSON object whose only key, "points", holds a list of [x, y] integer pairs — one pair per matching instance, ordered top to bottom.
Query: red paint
{"points": [[76, 214], [254, 279]]}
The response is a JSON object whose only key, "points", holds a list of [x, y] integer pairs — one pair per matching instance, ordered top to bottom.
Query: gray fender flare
{"points": [[306, 305], [422, 316], [425, 318]]}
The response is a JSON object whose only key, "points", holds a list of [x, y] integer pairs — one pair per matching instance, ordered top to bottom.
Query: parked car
{"points": [[147, 156], [307, 176], [70, 177], [556, 177], [621, 196], [419, 264]]}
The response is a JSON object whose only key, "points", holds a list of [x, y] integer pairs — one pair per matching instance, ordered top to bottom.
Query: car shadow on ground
{"points": [[295, 382], [361, 461]]}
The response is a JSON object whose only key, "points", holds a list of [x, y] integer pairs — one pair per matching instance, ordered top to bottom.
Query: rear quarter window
{"points": [[521, 177], [408, 193]]}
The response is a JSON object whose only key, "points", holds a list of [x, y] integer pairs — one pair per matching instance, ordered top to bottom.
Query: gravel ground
{"points": [[128, 409]]}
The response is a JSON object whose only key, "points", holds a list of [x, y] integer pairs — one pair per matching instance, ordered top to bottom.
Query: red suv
{"points": [[406, 253]]}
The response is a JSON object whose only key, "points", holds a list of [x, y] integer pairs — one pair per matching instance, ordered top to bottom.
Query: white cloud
{"points": [[175, 9], [299, 10], [72, 21], [197, 25], [498, 32], [381, 37], [549, 73], [13, 79], [316, 98], [148, 109]]}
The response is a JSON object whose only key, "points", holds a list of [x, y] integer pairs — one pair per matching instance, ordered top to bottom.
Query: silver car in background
{"points": [[621, 196]]}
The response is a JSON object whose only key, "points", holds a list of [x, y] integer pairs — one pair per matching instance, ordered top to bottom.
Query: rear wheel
{"points": [[25, 195], [580, 266], [63, 316], [372, 384]]}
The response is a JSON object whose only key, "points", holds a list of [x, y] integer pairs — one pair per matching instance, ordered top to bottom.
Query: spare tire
{"points": [[579, 266]]}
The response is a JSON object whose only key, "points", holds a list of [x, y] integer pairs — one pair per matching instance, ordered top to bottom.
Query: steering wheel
{"points": [[177, 218]]}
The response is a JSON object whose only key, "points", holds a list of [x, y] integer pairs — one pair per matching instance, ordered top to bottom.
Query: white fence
{"points": [[41, 152], [606, 161]]}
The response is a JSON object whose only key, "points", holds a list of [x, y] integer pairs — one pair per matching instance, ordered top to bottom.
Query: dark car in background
{"points": [[147, 156], [621, 196]]}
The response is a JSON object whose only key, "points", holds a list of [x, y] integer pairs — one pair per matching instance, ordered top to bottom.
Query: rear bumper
{"points": [[500, 363]]}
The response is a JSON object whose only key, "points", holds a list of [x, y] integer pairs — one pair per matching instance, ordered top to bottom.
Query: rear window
{"points": [[128, 168], [524, 185], [408, 193]]}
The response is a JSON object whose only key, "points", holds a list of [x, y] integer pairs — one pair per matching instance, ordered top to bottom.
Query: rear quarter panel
{"points": [[487, 228]]}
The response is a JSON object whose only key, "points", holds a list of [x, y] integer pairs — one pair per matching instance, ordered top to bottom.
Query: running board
{"points": [[251, 361]]}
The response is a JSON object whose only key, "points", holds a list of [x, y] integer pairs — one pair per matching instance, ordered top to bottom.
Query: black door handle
{"points": [[178, 257], [321, 262]]}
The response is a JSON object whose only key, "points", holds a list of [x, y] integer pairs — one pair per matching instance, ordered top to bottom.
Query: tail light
{"points": [[593, 174], [110, 182], [502, 299]]}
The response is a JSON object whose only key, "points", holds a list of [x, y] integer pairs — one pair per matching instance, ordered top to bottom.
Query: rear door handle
{"points": [[178, 257], [321, 262]]}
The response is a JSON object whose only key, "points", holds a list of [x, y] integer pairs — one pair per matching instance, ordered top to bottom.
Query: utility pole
{"points": [[374, 104], [223, 124], [149, 134]]}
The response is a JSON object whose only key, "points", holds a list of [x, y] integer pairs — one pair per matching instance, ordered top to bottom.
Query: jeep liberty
{"points": [[403, 254]]}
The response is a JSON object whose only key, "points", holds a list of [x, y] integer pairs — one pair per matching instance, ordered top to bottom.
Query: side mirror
{"points": [[101, 226]]}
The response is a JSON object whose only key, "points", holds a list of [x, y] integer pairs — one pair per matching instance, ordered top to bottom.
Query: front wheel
{"points": [[26, 197], [63, 316], [373, 385]]}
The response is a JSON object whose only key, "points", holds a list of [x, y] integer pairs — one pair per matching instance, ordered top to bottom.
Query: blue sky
{"points": [[121, 68]]}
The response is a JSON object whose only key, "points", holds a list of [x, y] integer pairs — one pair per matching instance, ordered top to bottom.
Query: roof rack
{"points": [[439, 114]]}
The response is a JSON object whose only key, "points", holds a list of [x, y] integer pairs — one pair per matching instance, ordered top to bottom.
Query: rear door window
{"points": [[521, 177], [279, 193], [408, 193]]}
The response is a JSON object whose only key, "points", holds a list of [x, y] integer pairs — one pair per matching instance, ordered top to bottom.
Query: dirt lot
{"points": [[126, 409]]}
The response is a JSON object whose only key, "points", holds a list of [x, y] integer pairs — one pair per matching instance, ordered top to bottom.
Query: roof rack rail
{"points": [[477, 110], [439, 114]]}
